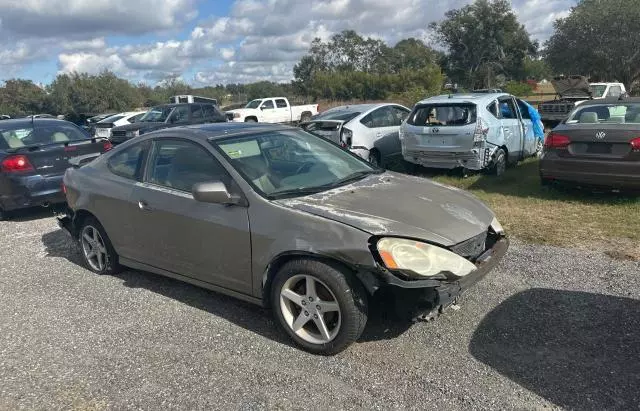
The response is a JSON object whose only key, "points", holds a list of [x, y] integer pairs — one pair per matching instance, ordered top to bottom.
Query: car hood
{"points": [[571, 86], [142, 126], [399, 205]]}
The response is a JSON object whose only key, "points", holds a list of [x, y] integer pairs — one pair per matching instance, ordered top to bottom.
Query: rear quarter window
{"points": [[454, 114]]}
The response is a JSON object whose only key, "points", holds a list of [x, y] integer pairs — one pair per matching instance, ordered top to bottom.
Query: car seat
{"points": [[588, 117], [59, 137]]}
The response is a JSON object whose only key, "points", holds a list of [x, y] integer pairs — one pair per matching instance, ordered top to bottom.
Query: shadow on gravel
{"points": [[33, 213], [381, 325], [578, 350]]}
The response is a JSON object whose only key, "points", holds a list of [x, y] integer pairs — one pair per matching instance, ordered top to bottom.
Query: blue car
{"points": [[34, 154]]}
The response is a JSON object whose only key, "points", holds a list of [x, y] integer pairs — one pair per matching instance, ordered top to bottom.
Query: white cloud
{"points": [[259, 39]]}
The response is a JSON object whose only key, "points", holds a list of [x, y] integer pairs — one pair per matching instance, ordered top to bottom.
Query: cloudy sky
{"points": [[209, 41]]}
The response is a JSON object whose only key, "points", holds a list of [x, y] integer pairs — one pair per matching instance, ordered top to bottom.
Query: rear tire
{"points": [[305, 117], [250, 120], [500, 163], [97, 250], [318, 306]]}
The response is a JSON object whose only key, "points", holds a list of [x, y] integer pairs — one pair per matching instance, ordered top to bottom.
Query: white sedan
{"points": [[103, 127], [368, 130]]}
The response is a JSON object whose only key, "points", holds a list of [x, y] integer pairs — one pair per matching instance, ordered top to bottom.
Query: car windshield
{"points": [[597, 90], [253, 104], [623, 113], [157, 114], [338, 114], [292, 163]]}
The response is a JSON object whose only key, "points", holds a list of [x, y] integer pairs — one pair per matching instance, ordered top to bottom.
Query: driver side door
{"points": [[268, 112], [174, 232]]}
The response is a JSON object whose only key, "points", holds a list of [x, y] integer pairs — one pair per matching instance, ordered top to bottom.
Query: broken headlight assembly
{"points": [[421, 259]]}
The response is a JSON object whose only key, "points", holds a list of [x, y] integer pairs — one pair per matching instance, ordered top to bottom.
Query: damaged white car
{"points": [[478, 131]]}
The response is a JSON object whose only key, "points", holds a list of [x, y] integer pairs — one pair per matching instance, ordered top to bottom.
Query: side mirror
{"points": [[263, 108], [214, 192]]}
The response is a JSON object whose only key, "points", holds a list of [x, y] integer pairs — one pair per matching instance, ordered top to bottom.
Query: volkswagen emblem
{"points": [[435, 130], [601, 135]]}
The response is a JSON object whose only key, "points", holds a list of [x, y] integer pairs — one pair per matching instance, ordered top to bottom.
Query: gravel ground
{"points": [[550, 328]]}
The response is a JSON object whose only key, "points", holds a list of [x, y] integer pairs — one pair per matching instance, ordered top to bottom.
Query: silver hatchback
{"points": [[480, 131]]}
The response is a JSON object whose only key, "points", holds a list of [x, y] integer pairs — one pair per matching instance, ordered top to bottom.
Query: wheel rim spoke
{"points": [[87, 237], [311, 288], [292, 296], [328, 306], [300, 322], [322, 327]]}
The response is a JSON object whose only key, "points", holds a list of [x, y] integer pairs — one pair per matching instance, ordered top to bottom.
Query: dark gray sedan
{"points": [[598, 145], [276, 216]]}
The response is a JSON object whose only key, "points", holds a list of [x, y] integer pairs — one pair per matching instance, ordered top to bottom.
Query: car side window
{"points": [[614, 91], [281, 103], [268, 104], [507, 108], [493, 109], [209, 111], [196, 112], [180, 115], [399, 115], [382, 117], [135, 118], [128, 162], [180, 164]]}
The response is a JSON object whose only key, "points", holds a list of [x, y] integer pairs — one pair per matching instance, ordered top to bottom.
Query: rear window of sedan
{"points": [[622, 113], [454, 114], [341, 115]]}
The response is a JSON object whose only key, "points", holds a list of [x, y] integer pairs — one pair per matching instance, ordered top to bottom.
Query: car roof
{"points": [[478, 98], [614, 100], [358, 107], [36, 121], [212, 131]]}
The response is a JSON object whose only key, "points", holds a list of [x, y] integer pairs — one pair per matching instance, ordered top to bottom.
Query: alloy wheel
{"points": [[94, 248], [310, 309]]}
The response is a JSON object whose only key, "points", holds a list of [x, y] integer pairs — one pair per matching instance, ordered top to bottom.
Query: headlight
{"points": [[236, 115], [134, 133], [496, 226], [423, 259]]}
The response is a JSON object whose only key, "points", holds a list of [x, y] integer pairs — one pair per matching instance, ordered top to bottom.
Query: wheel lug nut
{"points": [[310, 298], [304, 302], [318, 307], [306, 313], [315, 316]]}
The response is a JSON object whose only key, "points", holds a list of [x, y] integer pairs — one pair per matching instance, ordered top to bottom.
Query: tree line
{"points": [[481, 45]]}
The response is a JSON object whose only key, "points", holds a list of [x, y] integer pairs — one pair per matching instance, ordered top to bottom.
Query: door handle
{"points": [[144, 206]]}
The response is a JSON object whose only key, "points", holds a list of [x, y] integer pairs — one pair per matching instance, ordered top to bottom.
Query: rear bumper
{"points": [[476, 159], [609, 174], [30, 191]]}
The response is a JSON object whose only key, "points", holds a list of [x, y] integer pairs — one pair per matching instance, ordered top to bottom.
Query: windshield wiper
{"points": [[301, 191]]}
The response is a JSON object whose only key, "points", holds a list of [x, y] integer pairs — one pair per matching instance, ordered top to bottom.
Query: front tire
{"points": [[250, 120], [99, 255], [318, 306]]}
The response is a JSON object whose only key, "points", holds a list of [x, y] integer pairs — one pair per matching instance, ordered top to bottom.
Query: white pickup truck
{"points": [[272, 110]]}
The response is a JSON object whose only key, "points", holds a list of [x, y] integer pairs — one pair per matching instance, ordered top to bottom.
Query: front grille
{"points": [[473, 247]]}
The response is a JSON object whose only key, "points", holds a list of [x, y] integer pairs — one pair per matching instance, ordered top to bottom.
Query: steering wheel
{"points": [[305, 166]]}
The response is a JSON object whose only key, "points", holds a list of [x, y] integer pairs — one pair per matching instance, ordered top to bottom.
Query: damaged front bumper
{"points": [[478, 158], [421, 299]]}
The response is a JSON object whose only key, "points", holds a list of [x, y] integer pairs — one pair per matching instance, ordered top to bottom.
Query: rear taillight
{"points": [[481, 131], [347, 136], [555, 140], [635, 144], [107, 145], [16, 164], [64, 189]]}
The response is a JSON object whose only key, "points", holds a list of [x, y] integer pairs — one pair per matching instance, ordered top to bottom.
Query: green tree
{"points": [[600, 38], [483, 40], [536, 69], [22, 97]]}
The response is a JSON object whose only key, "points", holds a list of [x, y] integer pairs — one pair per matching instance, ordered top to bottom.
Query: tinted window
{"points": [[281, 103], [267, 104], [493, 109], [211, 111], [196, 112], [606, 113], [338, 114], [454, 114], [180, 115], [399, 115], [382, 117], [136, 118], [111, 119], [46, 134], [127, 163], [181, 164]]}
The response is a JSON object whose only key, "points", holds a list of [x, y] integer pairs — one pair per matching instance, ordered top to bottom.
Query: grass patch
{"points": [[606, 222]]}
